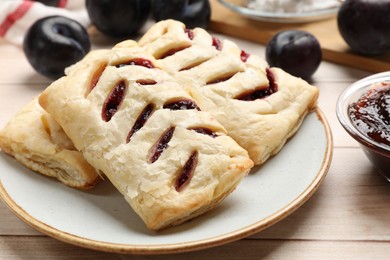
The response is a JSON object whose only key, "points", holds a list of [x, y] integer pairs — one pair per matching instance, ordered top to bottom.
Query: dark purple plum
{"points": [[193, 13], [118, 18], [365, 25], [53, 43], [297, 52]]}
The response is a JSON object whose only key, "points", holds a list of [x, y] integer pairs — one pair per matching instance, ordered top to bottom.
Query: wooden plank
{"points": [[334, 48], [15, 67], [17, 95], [327, 101], [351, 204], [12, 225], [15, 248], [18, 248]]}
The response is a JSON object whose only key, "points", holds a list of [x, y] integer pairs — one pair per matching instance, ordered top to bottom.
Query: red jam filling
{"points": [[190, 33], [217, 43], [172, 51], [244, 56], [139, 62], [95, 78], [220, 79], [146, 82], [261, 92], [114, 100], [182, 104], [371, 113], [141, 120], [204, 131], [161, 144], [187, 172]]}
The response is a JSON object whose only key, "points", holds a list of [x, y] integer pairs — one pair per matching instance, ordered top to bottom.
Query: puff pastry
{"points": [[260, 107], [135, 123], [37, 141]]}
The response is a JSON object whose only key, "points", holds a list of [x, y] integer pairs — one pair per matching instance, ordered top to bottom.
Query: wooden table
{"points": [[347, 218]]}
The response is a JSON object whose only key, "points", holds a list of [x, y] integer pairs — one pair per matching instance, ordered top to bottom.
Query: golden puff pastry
{"points": [[260, 107], [133, 122], [37, 141]]}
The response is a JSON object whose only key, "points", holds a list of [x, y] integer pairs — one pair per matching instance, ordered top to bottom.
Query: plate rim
{"points": [[191, 245]]}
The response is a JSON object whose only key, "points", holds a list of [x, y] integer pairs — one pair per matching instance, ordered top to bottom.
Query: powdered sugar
{"points": [[291, 6]]}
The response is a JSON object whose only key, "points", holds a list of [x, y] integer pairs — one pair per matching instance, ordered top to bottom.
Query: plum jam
{"points": [[190, 33], [217, 43], [172, 51], [244, 56], [138, 62], [95, 78], [220, 79], [145, 82], [262, 91], [114, 100], [181, 104], [371, 113], [141, 120], [204, 131], [162, 144], [186, 174]]}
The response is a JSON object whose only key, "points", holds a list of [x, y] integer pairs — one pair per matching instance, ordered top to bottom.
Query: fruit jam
{"points": [[371, 113]]}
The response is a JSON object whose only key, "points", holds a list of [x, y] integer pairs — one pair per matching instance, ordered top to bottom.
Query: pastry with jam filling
{"points": [[260, 107], [170, 159]]}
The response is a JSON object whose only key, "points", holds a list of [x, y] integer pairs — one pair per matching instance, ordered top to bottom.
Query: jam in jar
{"points": [[371, 113]]}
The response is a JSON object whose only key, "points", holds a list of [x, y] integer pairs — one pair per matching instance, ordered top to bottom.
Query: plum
{"points": [[193, 13], [119, 18], [365, 25], [53, 43], [295, 51]]}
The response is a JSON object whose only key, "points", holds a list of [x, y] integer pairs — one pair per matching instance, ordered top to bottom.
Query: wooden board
{"points": [[333, 46]]}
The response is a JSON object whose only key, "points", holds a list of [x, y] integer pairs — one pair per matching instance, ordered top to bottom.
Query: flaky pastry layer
{"points": [[37, 141]]}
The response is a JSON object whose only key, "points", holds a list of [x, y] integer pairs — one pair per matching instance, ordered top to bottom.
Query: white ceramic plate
{"points": [[240, 7], [101, 219]]}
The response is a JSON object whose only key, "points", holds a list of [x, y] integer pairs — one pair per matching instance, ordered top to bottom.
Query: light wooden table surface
{"points": [[347, 218]]}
